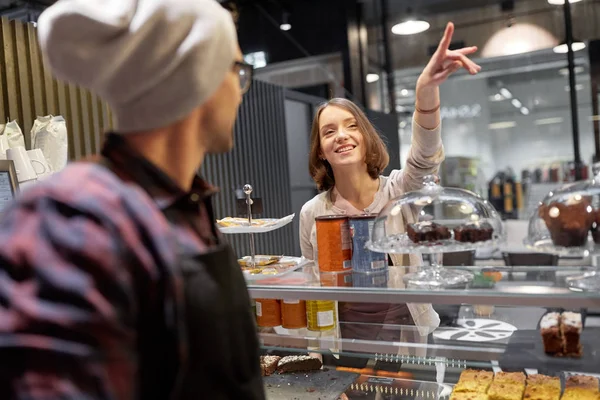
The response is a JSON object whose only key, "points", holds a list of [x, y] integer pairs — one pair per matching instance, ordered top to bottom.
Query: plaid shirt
{"points": [[82, 255]]}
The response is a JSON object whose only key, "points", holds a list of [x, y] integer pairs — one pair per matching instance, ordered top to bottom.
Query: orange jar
{"points": [[334, 243], [336, 279], [268, 312], [293, 314]]}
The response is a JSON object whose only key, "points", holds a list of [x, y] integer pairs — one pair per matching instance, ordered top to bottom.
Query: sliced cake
{"points": [[427, 231], [570, 327], [551, 335], [268, 364], [298, 364], [474, 381], [507, 386], [542, 387]]}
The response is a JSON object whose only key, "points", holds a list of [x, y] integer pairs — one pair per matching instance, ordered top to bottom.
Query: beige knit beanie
{"points": [[153, 61]]}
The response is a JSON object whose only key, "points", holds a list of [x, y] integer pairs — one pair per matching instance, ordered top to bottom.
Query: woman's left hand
{"points": [[445, 62]]}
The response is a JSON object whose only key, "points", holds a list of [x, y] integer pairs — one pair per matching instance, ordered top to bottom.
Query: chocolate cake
{"points": [[568, 222], [427, 231], [473, 232], [570, 328], [551, 336], [298, 363], [268, 364]]}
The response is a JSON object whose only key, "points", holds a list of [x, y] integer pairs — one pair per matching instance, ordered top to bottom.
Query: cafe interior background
{"points": [[515, 123]]}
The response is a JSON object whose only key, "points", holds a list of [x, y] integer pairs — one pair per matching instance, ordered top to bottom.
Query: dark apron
{"points": [[223, 350], [223, 361]]}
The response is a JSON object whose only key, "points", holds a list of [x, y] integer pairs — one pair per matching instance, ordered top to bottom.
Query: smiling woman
{"points": [[347, 158]]}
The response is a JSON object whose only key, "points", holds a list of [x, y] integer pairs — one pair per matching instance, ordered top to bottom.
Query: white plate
{"points": [[272, 225], [300, 262]]}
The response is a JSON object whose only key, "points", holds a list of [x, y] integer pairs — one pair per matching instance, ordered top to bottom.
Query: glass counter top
{"points": [[510, 286]]}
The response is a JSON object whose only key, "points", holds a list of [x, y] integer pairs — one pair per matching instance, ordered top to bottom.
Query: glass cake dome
{"points": [[436, 220], [567, 223]]}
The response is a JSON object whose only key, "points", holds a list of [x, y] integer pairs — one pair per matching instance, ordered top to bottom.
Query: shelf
{"points": [[520, 286]]}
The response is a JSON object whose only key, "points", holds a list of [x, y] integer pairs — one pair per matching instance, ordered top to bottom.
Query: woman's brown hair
{"points": [[377, 157]]}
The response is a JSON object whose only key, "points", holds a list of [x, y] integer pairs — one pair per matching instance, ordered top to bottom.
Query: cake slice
{"points": [[427, 231], [570, 329], [551, 333], [268, 364], [298, 364], [474, 381], [507, 386], [542, 387]]}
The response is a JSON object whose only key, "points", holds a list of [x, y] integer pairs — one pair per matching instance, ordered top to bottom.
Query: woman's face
{"points": [[342, 142]]}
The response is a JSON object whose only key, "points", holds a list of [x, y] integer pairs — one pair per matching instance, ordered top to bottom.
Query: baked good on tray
{"points": [[568, 222], [427, 231], [473, 232], [570, 329], [561, 334], [551, 336], [268, 364], [298, 364], [474, 381], [507, 386], [542, 387], [579, 394]]}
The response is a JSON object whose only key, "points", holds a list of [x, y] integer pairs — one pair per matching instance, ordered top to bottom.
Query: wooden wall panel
{"points": [[28, 90]]}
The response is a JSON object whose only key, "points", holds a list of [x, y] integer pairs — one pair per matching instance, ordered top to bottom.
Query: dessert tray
{"points": [[436, 220], [567, 223], [231, 225], [284, 266]]}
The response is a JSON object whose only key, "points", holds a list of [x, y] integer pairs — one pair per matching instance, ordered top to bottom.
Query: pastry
{"points": [[568, 222], [427, 231], [473, 232], [570, 329], [551, 335], [298, 363], [268, 364], [474, 381], [507, 386], [542, 387]]}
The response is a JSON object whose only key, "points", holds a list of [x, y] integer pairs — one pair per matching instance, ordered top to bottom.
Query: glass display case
{"points": [[491, 324]]}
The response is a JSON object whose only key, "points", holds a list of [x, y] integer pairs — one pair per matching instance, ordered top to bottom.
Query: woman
{"points": [[346, 160]]}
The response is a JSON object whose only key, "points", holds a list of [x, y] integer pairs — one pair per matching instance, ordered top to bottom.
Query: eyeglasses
{"points": [[245, 72]]}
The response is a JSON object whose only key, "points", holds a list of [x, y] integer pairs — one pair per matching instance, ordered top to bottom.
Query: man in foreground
{"points": [[114, 281]]}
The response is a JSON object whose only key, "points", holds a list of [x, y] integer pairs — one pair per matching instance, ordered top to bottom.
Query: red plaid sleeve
{"points": [[67, 301]]}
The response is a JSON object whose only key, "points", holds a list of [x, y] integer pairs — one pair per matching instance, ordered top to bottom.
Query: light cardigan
{"points": [[424, 158]]}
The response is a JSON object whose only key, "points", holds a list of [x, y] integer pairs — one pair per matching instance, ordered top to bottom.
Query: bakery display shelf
{"points": [[436, 220], [521, 294]]}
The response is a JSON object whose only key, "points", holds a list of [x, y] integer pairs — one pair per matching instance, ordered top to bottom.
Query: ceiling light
{"points": [[561, 2], [285, 24], [410, 27], [562, 48], [565, 71], [372, 78], [407, 92], [506, 93], [496, 97], [516, 103], [401, 108], [524, 110], [548, 121], [502, 125]]}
